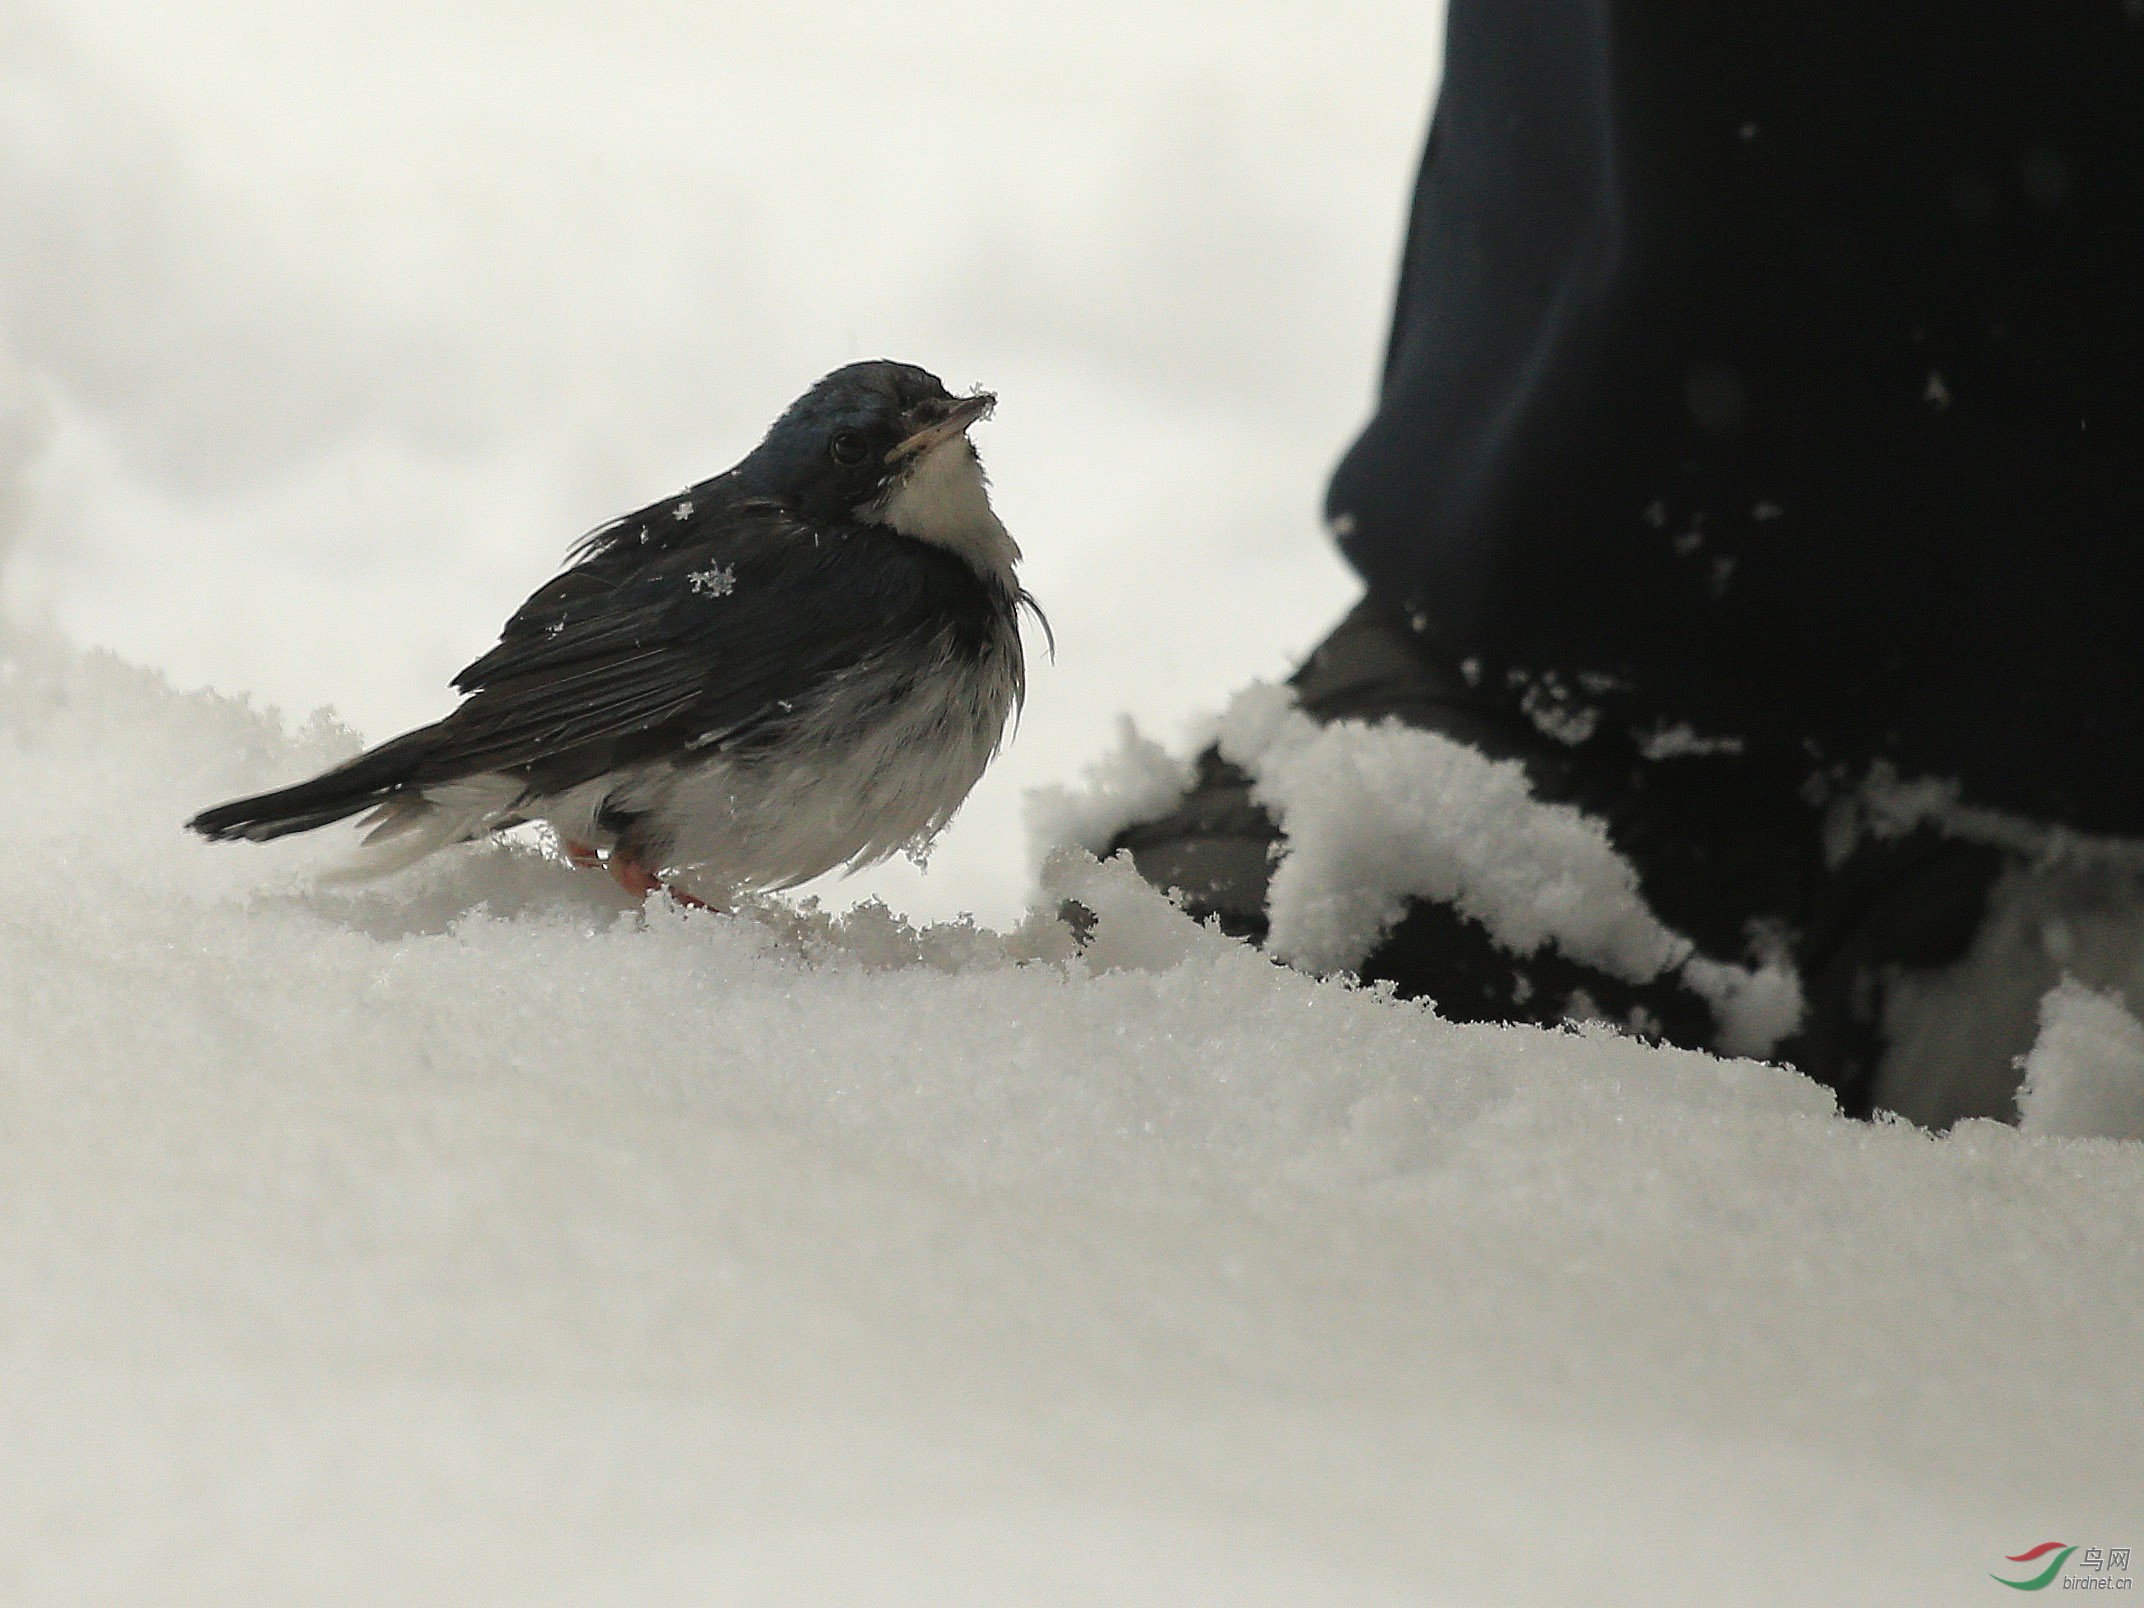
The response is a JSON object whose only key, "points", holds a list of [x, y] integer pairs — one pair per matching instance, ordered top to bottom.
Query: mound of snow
{"points": [[1135, 781], [1374, 815], [2067, 910], [2085, 1075], [478, 1237]]}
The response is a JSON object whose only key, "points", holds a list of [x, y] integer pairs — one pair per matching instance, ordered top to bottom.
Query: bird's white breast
{"points": [[944, 499]]}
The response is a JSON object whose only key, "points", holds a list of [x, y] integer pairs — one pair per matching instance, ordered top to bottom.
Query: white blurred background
{"points": [[346, 319]]}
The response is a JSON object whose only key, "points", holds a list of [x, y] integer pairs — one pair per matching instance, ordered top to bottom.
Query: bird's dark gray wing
{"points": [[701, 639]]}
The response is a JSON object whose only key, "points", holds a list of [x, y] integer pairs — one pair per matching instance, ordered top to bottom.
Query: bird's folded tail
{"points": [[371, 779], [409, 819]]}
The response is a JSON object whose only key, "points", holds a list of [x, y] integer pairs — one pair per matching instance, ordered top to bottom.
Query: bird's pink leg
{"points": [[579, 855], [637, 880]]}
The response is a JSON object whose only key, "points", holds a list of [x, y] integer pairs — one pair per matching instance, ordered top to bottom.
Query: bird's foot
{"points": [[580, 855], [637, 880]]}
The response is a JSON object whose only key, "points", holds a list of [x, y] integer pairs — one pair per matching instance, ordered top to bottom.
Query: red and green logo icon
{"points": [[2046, 1577]]}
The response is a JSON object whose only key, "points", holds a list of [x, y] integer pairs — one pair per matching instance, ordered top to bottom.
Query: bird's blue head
{"points": [[885, 443]]}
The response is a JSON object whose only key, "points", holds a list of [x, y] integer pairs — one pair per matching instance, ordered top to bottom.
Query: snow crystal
{"points": [[683, 511], [717, 580], [1557, 713], [1684, 742], [2084, 1078]]}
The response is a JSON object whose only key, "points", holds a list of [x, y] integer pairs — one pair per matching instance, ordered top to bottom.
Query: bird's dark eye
{"points": [[847, 448]]}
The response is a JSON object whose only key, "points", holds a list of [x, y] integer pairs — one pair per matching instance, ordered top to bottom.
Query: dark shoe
{"points": [[1728, 846], [1216, 848]]}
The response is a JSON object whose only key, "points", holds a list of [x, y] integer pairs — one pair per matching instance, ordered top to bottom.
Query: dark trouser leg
{"points": [[1775, 364]]}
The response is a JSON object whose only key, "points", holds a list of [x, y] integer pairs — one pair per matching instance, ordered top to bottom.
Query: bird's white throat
{"points": [[945, 500]]}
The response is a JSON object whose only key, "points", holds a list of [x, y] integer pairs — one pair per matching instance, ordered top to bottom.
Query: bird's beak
{"points": [[941, 421]]}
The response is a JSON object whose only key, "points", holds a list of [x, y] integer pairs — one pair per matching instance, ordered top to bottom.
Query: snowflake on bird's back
{"points": [[717, 580]]}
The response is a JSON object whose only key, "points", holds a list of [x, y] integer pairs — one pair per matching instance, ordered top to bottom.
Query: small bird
{"points": [[803, 663]]}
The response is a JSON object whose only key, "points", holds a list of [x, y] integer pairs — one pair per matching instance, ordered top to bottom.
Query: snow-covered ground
{"points": [[476, 1238]]}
